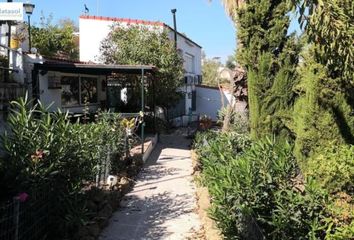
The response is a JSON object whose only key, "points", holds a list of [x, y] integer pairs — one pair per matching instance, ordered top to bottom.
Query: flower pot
{"points": [[14, 43]]}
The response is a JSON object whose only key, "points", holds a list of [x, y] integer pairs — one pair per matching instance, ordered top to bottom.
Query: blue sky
{"points": [[205, 23]]}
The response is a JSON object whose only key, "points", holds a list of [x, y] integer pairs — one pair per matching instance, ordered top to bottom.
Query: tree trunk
{"points": [[228, 114]]}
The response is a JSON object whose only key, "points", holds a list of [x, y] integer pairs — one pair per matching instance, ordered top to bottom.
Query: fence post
{"points": [[126, 144], [107, 165], [98, 175], [16, 216]]}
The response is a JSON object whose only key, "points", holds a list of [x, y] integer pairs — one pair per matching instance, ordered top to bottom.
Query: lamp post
{"points": [[29, 10], [173, 11]]}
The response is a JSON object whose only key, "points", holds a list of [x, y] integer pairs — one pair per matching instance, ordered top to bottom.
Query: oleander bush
{"points": [[211, 144], [45, 150], [258, 192]]}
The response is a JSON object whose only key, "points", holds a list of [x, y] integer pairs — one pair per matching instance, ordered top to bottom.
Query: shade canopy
{"points": [[94, 69]]}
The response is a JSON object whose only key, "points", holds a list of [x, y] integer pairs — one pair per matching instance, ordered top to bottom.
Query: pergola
{"points": [[100, 70]]}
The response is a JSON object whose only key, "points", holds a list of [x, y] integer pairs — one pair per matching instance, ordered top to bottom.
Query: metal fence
{"points": [[10, 92], [178, 110], [25, 220]]}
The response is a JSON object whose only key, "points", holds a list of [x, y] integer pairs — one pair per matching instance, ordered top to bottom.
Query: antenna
{"points": [[86, 9]]}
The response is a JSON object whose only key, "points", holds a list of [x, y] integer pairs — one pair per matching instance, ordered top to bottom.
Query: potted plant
{"points": [[205, 122]]}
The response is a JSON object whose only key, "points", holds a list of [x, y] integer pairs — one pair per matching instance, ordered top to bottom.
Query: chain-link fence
{"points": [[26, 217]]}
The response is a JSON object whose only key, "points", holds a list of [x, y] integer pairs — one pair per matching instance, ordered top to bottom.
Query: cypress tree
{"points": [[270, 56], [324, 111]]}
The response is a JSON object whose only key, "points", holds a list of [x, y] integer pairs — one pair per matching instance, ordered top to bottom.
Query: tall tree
{"points": [[330, 25], [142, 45], [270, 57], [210, 71], [327, 77]]}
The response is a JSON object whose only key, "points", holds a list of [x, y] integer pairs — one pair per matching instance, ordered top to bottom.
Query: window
{"points": [[180, 53], [189, 63], [76, 90], [88, 90], [70, 94]]}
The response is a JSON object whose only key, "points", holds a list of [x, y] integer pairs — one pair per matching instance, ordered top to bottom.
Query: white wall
{"points": [[92, 33], [189, 48], [209, 102]]}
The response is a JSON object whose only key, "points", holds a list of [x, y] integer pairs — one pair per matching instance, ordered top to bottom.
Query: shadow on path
{"points": [[162, 203]]}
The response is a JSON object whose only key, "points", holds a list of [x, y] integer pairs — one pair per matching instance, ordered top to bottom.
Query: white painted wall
{"points": [[92, 32], [188, 48], [209, 102]]}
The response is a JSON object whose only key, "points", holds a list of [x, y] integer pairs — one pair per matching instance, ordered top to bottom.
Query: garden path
{"points": [[162, 204]]}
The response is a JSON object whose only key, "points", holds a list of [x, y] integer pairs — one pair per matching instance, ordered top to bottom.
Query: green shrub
{"points": [[323, 110], [239, 122], [230, 143], [44, 148], [45, 151], [333, 168], [253, 191], [341, 233]]}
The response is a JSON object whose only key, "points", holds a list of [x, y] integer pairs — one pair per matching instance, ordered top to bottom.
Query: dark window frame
{"points": [[80, 98]]}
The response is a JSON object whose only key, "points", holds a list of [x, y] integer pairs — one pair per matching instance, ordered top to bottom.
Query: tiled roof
{"points": [[126, 20], [63, 60]]}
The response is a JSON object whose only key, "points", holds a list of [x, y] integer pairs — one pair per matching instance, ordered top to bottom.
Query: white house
{"points": [[94, 29], [64, 84]]}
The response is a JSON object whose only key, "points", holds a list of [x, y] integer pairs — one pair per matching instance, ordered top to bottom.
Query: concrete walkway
{"points": [[162, 204]]}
